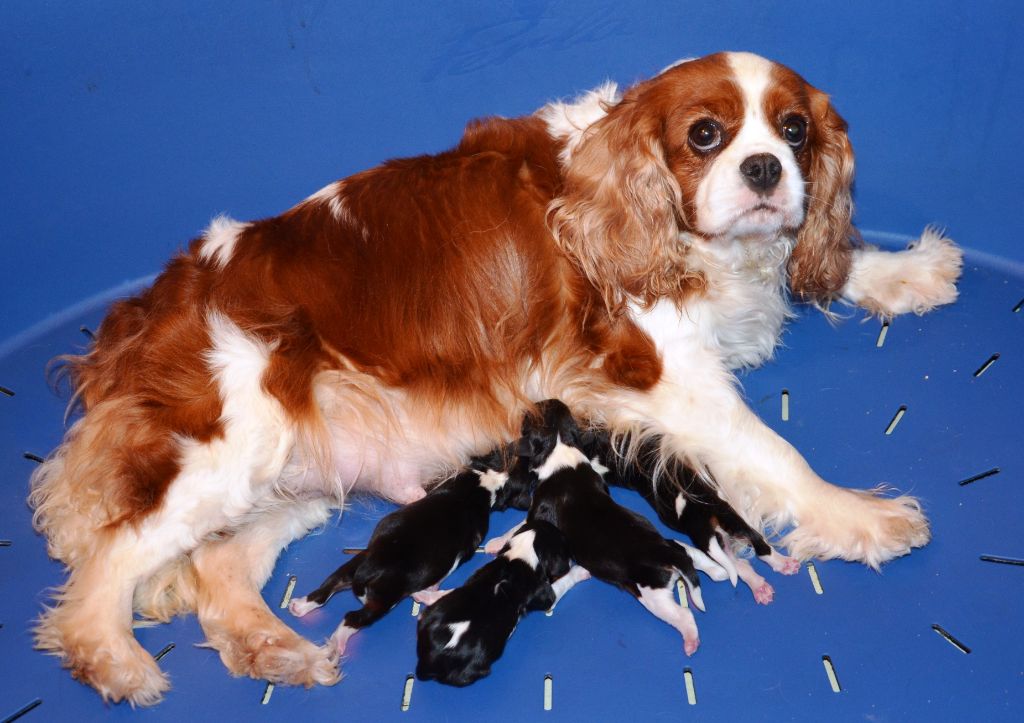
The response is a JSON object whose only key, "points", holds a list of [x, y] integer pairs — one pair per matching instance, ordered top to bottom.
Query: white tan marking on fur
{"points": [[568, 121], [331, 196], [219, 240], [561, 457], [492, 481], [521, 547], [458, 630]]}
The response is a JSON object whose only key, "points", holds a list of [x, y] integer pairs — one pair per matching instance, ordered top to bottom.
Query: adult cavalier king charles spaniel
{"points": [[622, 252]]}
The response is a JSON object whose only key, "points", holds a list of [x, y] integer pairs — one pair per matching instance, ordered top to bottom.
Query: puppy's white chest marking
{"points": [[561, 456], [492, 481], [521, 547]]}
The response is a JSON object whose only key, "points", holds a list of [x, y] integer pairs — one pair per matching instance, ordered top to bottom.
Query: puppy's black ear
{"points": [[565, 424], [537, 440], [594, 442], [525, 445], [522, 499], [557, 564], [503, 590], [542, 598]]}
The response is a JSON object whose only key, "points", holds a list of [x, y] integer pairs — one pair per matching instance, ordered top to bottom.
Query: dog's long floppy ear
{"points": [[616, 217], [820, 263]]}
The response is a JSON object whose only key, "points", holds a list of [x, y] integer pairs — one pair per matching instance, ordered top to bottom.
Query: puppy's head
{"points": [[727, 147], [543, 430], [517, 490], [454, 653]]}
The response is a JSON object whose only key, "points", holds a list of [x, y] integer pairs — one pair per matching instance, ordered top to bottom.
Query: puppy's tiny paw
{"points": [[494, 545], [791, 566], [764, 594], [429, 597], [300, 606]]}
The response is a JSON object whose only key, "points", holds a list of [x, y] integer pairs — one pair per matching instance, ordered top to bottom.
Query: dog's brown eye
{"points": [[794, 130], [705, 135]]}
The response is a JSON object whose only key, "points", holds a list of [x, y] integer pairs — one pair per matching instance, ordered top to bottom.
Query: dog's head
{"points": [[730, 146]]}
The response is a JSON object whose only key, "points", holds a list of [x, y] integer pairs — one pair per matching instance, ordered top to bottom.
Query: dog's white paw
{"points": [[917, 279]]}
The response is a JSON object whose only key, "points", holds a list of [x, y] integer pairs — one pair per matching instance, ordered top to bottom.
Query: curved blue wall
{"points": [[126, 126]]}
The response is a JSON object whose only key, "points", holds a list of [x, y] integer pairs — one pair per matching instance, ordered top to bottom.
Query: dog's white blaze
{"points": [[723, 198], [219, 239], [561, 457], [598, 467], [492, 481], [521, 547], [458, 630]]}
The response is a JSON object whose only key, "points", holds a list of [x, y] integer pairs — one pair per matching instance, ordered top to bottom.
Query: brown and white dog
{"points": [[620, 252]]}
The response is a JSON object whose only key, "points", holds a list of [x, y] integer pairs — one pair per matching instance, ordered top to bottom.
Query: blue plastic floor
{"points": [[606, 657]]}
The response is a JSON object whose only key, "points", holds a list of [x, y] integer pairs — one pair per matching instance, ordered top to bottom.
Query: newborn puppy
{"points": [[686, 502], [613, 543], [417, 546], [464, 632]]}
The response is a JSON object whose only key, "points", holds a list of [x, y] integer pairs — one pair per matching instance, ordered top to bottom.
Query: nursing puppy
{"points": [[688, 503], [614, 544], [417, 546], [464, 632]]}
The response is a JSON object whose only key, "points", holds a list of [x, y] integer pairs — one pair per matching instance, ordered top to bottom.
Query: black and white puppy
{"points": [[688, 503], [614, 544], [417, 546], [464, 631]]}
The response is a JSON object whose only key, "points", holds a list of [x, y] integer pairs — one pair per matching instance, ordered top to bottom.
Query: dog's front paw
{"points": [[917, 279], [860, 525], [278, 655]]}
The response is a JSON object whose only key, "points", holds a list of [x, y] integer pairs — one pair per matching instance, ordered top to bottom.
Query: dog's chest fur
{"points": [[740, 315]]}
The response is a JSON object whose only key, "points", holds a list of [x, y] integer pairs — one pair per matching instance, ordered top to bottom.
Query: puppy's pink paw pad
{"points": [[790, 567], [764, 594], [300, 606], [690, 646]]}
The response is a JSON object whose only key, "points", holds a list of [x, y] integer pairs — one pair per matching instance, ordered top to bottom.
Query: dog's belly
{"points": [[386, 441]]}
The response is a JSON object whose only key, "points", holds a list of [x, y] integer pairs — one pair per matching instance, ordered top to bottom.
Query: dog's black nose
{"points": [[761, 172]]}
